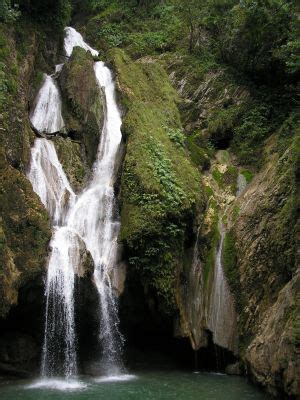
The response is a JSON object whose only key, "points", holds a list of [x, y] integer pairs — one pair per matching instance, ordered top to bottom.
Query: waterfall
{"points": [[72, 39], [46, 116], [49, 180], [241, 184], [94, 218], [89, 220], [222, 316]]}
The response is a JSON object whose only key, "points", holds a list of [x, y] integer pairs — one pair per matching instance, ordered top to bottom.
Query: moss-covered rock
{"points": [[15, 73], [211, 99], [82, 101], [72, 158], [160, 188], [24, 226], [24, 234], [260, 261], [272, 357]]}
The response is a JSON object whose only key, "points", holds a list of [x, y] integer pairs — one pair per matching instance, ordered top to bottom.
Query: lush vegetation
{"points": [[256, 37], [251, 47], [82, 106], [160, 188]]}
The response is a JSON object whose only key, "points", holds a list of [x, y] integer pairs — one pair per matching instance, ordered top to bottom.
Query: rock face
{"points": [[204, 96], [82, 105], [73, 159], [160, 188], [24, 225], [25, 233], [265, 233], [260, 245], [206, 301], [272, 357]]}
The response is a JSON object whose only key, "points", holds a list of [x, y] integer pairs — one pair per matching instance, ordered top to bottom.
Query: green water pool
{"points": [[154, 385]]}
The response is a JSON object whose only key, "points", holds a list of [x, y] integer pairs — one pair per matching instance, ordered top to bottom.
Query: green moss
{"points": [[37, 81], [82, 106], [221, 123], [15, 133], [199, 150], [70, 155], [224, 156], [248, 175], [218, 176], [230, 178], [160, 188], [209, 192], [24, 235], [212, 241], [229, 258], [232, 273]]}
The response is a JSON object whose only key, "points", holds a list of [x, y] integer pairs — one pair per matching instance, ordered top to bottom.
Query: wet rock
{"points": [[82, 101], [72, 157], [22, 216], [264, 273], [17, 350], [272, 357], [234, 369]]}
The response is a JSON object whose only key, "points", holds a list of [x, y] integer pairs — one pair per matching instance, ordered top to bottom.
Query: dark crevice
{"points": [[221, 142], [150, 338]]}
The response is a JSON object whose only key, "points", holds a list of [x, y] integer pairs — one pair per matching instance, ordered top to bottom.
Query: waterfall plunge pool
{"points": [[146, 385]]}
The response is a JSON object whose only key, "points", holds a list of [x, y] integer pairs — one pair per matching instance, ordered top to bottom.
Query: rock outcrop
{"points": [[82, 102], [160, 188], [24, 224], [267, 282]]}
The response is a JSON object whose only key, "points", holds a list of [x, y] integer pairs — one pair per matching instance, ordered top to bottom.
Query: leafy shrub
{"points": [[8, 12], [112, 34], [249, 135], [177, 136]]}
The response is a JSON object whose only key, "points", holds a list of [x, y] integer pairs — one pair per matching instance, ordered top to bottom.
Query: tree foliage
{"points": [[8, 12], [55, 13], [258, 37]]}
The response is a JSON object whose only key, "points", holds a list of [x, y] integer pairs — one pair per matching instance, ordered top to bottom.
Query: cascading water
{"points": [[72, 39], [46, 116], [49, 180], [51, 184], [241, 184], [93, 214], [90, 219], [222, 316]]}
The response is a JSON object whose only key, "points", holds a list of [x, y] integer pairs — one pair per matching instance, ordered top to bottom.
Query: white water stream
{"points": [[46, 115], [49, 180], [241, 184], [89, 219], [221, 313]]}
